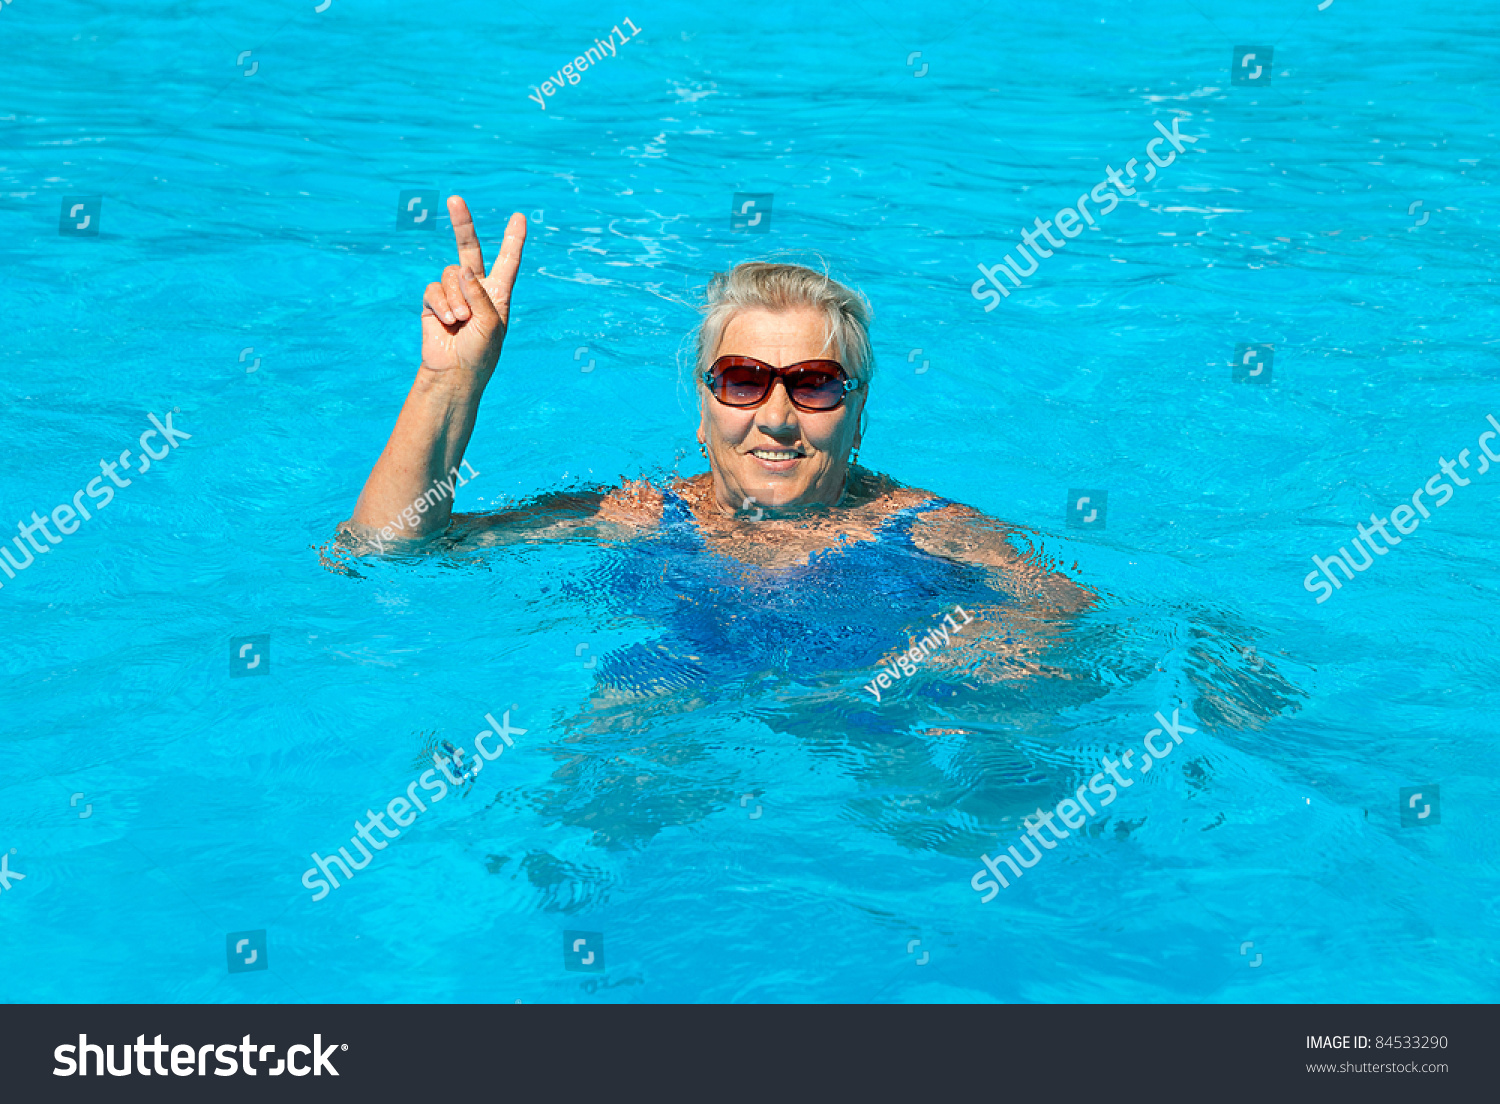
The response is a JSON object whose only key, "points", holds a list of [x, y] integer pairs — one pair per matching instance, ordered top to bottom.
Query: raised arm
{"points": [[464, 322]]}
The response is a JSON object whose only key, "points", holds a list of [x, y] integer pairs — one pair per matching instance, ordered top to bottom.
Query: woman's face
{"points": [[774, 453]]}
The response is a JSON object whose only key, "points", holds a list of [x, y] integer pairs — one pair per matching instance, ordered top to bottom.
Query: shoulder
{"points": [[880, 494], [886, 496], [634, 504], [943, 513], [958, 532]]}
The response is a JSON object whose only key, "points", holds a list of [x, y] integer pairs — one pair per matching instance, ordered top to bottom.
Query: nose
{"points": [[776, 413]]}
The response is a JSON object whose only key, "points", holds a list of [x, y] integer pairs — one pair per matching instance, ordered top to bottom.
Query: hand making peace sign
{"points": [[465, 316]]}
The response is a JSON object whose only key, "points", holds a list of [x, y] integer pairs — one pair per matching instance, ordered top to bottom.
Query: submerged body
{"points": [[818, 597], [842, 608]]}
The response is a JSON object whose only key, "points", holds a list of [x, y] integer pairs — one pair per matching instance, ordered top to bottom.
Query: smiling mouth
{"points": [[776, 454]]}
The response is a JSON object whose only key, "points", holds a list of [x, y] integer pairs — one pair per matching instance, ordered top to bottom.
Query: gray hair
{"points": [[761, 285]]}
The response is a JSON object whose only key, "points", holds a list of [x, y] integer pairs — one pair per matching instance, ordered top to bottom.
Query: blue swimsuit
{"points": [[843, 611]]}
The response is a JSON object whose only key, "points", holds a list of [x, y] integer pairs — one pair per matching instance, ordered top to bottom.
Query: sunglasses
{"points": [[812, 385]]}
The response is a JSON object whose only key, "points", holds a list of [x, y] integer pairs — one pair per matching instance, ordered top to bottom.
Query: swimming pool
{"points": [[228, 216]]}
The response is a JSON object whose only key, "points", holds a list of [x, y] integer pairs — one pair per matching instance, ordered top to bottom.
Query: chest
{"points": [[785, 550]]}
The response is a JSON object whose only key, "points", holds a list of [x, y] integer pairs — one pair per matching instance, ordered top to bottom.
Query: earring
{"points": [[703, 452], [854, 455]]}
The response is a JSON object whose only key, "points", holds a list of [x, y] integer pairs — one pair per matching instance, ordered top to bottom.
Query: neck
{"points": [[728, 505]]}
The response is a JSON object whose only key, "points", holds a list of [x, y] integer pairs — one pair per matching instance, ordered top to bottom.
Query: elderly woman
{"points": [[785, 553]]}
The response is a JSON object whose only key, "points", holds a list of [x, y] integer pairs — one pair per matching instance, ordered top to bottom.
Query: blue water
{"points": [[774, 834]]}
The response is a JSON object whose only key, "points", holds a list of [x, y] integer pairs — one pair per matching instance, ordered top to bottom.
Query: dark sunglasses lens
{"points": [[742, 384], [816, 389]]}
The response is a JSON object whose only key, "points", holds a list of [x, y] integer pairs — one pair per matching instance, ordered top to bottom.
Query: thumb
{"points": [[478, 299]]}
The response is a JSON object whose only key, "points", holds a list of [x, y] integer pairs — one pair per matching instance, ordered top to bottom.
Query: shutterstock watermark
{"points": [[741, 220], [1070, 221], [65, 517], [1403, 518], [403, 810], [1070, 810], [7, 875], [192, 1061]]}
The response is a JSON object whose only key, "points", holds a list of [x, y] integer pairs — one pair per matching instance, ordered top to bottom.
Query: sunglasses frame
{"points": [[710, 379]]}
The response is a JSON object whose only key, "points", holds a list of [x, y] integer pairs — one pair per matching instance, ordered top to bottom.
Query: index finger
{"points": [[470, 255]]}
